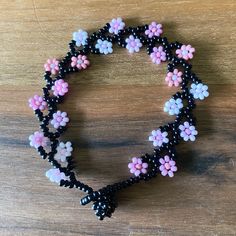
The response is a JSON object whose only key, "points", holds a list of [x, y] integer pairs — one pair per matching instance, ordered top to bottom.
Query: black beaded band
{"points": [[104, 202]]}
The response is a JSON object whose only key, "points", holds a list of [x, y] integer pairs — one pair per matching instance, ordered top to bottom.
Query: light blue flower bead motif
{"points": [[80, 37], [104, 46], [199, 91], [173, 106]]}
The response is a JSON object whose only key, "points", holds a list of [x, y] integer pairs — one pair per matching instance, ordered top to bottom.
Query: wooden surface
{"points": [[113, 106]]}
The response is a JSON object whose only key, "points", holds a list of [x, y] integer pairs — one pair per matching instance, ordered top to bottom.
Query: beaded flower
{"points": [[116, 25], [154, 29], [80, 37], [133, 44], [104, 46], [185, 52], [158, 55], [81, 62], [52, 66], [174, 78], [60, 87], [199, 91], [37, 102], [173, 106], [59, 119], [188, 132], [158, 138], [38, 139], [63, 151], [137, 166], [167, 166], [56, 176]]}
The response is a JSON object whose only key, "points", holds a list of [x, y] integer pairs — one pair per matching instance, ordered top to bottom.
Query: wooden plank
{"points": [[113, 106]]}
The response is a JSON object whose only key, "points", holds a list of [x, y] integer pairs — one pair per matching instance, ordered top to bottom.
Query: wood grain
{"points": [[112, 107]]}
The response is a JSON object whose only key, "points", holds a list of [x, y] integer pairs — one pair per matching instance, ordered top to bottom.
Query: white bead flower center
{"points": [[185, 52], [174, 77]]}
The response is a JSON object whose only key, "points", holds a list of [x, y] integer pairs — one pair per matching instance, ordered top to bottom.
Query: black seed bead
{"points": [[129, 29], [115, 38]]}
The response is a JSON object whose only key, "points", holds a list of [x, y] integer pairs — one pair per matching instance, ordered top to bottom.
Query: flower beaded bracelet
{"points": [[164, 139]]}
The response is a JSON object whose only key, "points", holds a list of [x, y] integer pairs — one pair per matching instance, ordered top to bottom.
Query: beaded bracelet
{"points": [[164, 139]]}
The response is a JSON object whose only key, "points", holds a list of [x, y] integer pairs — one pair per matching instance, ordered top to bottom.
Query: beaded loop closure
{"points": [[164, 139]]}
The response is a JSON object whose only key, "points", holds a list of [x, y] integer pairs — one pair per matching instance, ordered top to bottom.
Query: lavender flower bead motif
{"points": [[116, 25], [154, 29], [80, 37], [133, 44], [104, 46], [158, 55], [199, 91], [173, 106], [59, 119], [188, 132], [158, 138], [137, 166], [167, 166], [56, 176]]}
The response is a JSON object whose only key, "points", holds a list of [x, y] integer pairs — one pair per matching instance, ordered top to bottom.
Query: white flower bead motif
{"points": [[116, 25], [80, 37], [104, 46], [199, 91], [173, 106], [188, 132], [158, 138], [63, 151], [56, 176]]}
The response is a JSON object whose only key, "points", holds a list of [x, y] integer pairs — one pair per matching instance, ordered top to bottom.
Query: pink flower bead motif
{"points": [[154, 29], [185, 52], [158, 55], [81, 62], [52, 65], [174, 78], [60, 87], [37, 102], [59, 119], [38, 139], [137, 166], [167, 166]]}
